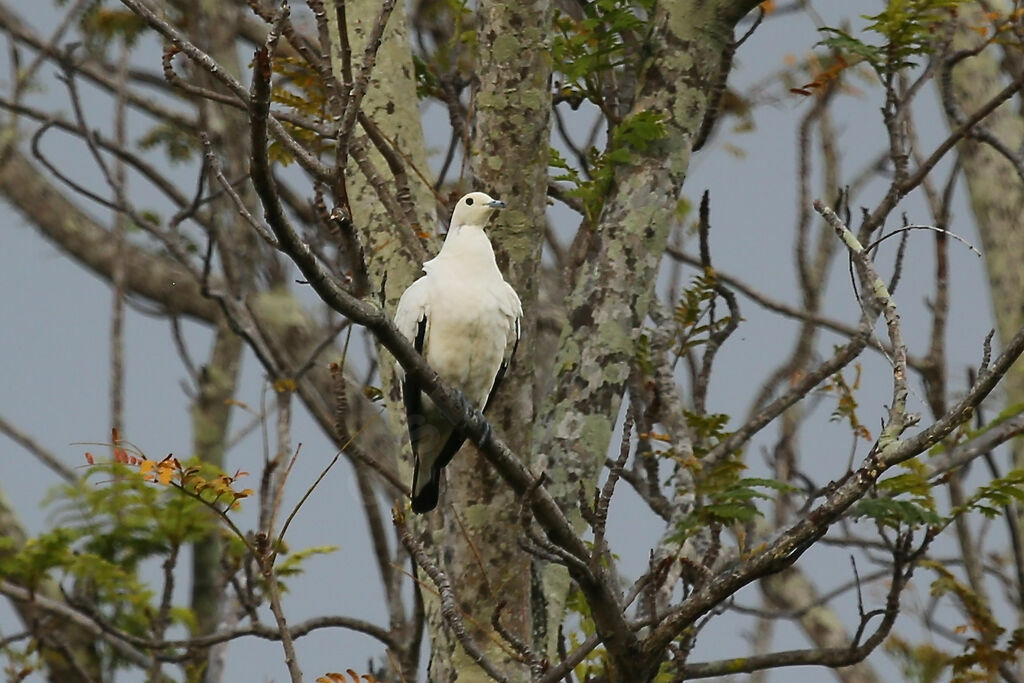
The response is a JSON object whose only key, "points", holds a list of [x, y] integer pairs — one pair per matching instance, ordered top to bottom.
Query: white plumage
{"points": [[464, 319]]}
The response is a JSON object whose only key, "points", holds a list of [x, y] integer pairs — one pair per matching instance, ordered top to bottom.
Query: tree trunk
{"points": [[996, 194]]}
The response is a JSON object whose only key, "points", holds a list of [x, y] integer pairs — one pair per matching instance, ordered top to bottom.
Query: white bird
{"points": [[464, 319]]}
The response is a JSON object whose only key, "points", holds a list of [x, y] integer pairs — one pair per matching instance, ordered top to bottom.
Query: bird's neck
{"points": [[468, 244]]}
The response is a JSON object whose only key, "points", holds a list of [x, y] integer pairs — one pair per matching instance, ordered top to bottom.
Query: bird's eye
{"points": [[469, 201]]}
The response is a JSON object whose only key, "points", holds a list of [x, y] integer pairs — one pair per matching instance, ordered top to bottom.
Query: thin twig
{"points": [[362, 82], [36, 449], [449, 604]]}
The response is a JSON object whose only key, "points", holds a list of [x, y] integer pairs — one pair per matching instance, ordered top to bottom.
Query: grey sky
{"points": [[54, 342]]}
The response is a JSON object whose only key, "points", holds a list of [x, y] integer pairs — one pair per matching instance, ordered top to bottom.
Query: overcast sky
{"points": [[55, 317]]}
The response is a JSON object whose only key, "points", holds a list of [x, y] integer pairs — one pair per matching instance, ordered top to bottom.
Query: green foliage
{"points": [[101, 26], [908, 29], [608, 37], [583, 50], [427, 82], [298, 87], [635, 134], [176, 143], [694, 304], [644, 360], [846, 401], [708, 430], [965, 433], [723, 495], [725, 498], [991, 498], [904, 499], [907, 499], [122, 513], [895, 514], [120, 516], [96, 554], [32, 564], [292, 565], [983, 652], [20, 662], [923, 663], [596, 665]]}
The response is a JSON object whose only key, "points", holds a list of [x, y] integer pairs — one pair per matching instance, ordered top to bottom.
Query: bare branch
{"points": [[41, 453]]}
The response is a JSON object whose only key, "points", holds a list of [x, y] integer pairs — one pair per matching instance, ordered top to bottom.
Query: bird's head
{"points": [[475, 209]]}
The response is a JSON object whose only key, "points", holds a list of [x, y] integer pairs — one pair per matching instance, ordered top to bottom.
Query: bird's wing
{"points": [[412, 309], [513, 310], [412, 320], [434, 441]]}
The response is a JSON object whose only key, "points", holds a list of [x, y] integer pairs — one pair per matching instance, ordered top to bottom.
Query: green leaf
{"points": [[908, 29], [637, 131], [176, 143], [910, 482], [895, 513], [292, 565]]}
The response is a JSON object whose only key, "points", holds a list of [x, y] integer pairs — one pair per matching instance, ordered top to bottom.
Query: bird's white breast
{"points": [[468, 332]]}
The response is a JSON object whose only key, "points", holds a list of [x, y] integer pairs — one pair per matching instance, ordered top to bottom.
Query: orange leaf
{"points": [[768, 6], [89, 459], [146, 467]]}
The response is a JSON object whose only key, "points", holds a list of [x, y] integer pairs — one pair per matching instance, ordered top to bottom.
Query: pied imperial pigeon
{"points": [[463, 318]]}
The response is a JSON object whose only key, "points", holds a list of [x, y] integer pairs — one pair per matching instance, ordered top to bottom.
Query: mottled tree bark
{"points": [[214, 24], [509, 159], [996, 191], [996, 194], [393, 257], [615, 286], [613, 292], [211, 413]]}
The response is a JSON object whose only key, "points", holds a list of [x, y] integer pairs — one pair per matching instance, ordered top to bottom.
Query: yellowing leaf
{"points": [[284, 384]]}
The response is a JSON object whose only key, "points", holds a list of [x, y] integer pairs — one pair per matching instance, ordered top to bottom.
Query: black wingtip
{"points": [[426, 499]]}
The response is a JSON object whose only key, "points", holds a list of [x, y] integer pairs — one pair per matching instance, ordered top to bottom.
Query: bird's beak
{"points": [[496, 204]]}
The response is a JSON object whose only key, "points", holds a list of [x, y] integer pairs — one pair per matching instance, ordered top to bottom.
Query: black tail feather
{"points": [[426, 499]]}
